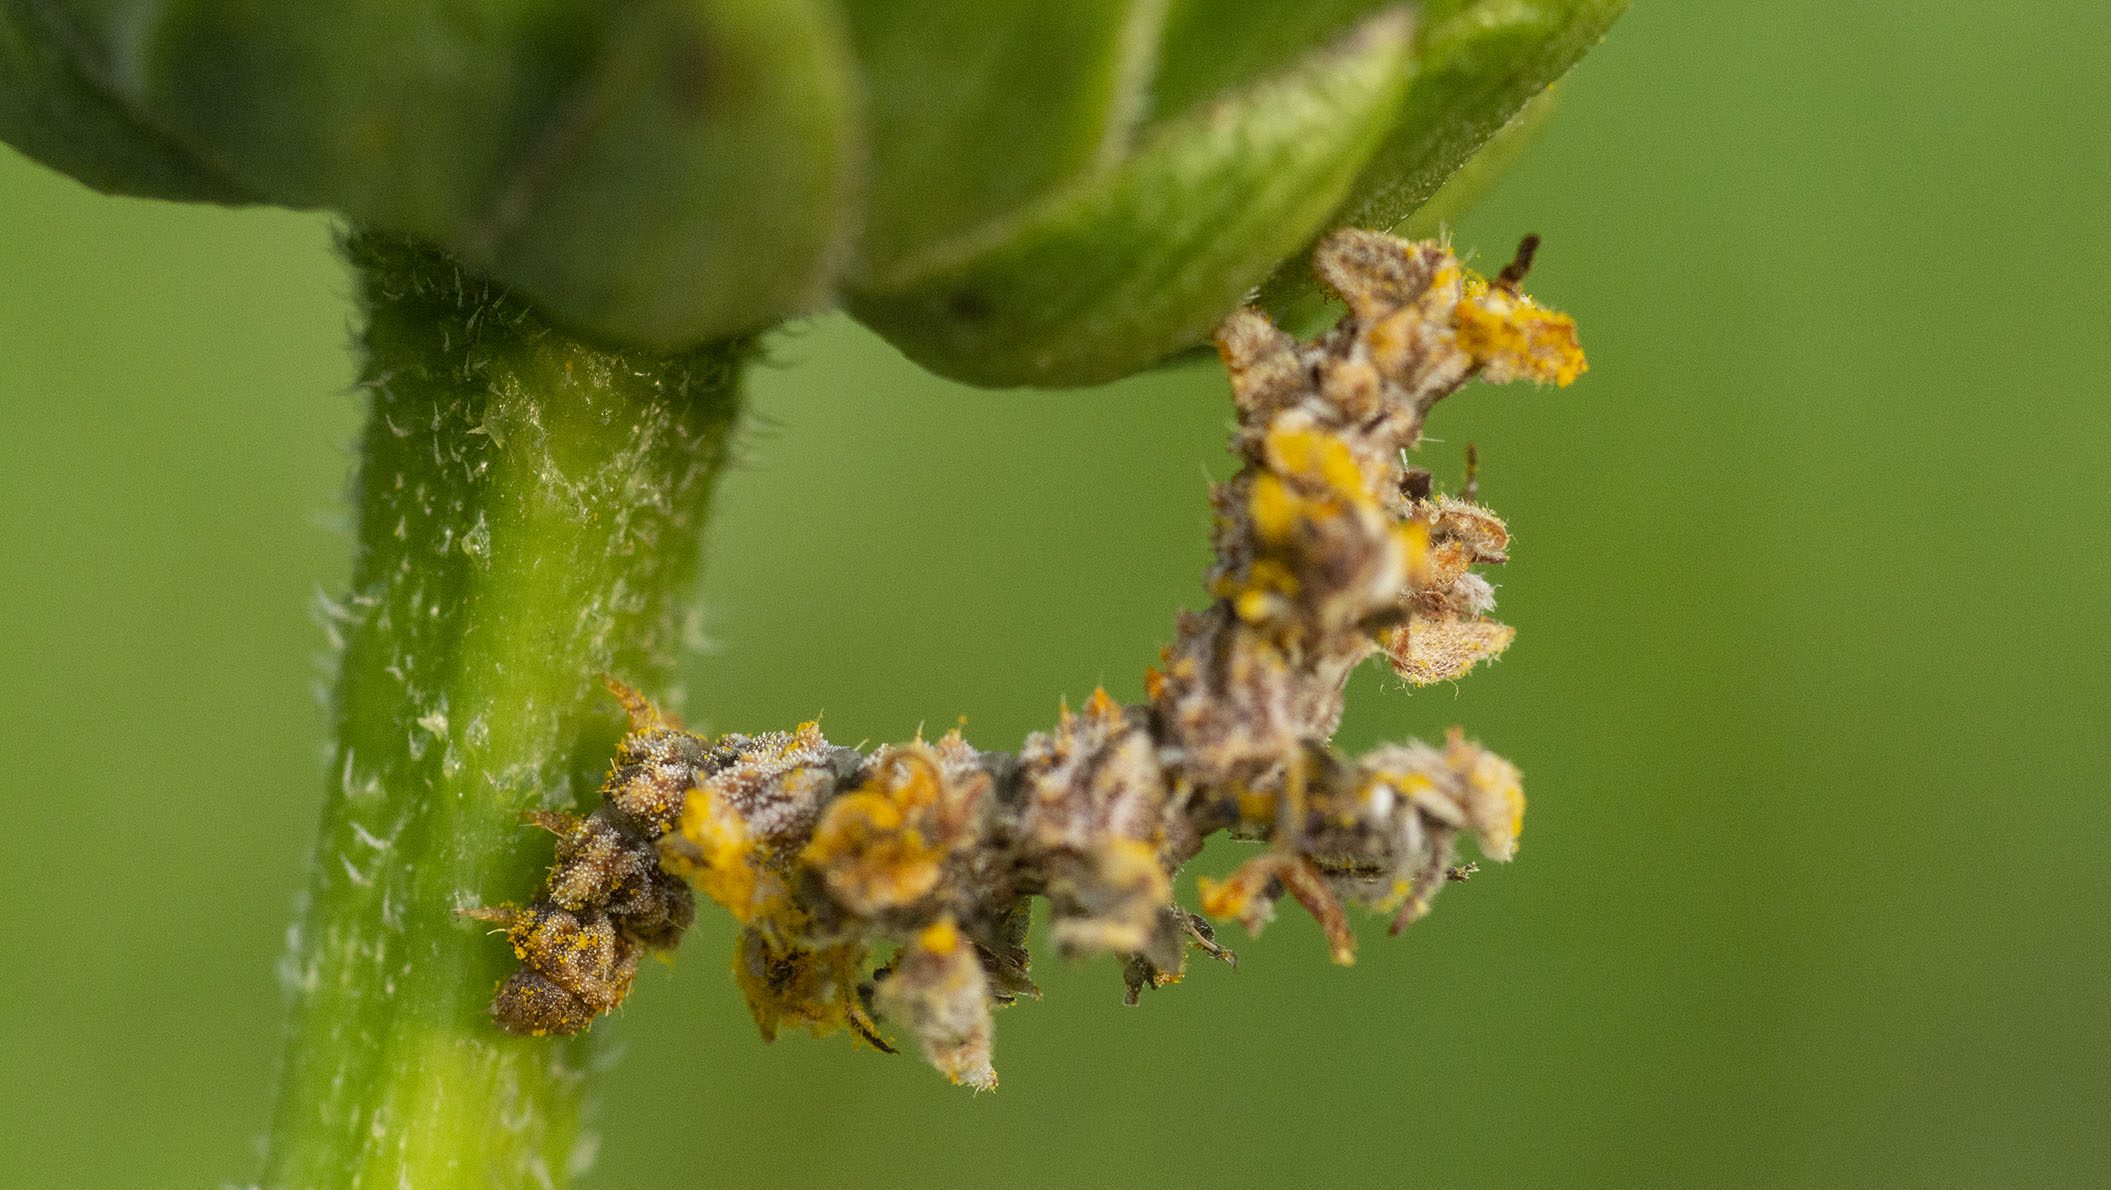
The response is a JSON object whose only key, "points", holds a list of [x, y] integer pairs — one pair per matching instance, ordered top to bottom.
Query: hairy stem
{"points": [[530, 510]]}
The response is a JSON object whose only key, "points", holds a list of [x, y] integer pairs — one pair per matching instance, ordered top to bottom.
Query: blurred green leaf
{"points": [[1210, 48], [1477, 65], [1474, 71], [329, 105], [979, 106], [54, 112], [659, 172], [1471, 181], [695, 184], [1013, 192], [1109, 276]]}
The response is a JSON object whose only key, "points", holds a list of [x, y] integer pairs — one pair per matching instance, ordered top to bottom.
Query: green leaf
{"points": [[1211, 47], [1478, 65], [1473, 72], [976, 107], [51, 110], [398, 113], [1484, 169], [657, 172], [696, 184], [1013, 191], [1108, 276]]}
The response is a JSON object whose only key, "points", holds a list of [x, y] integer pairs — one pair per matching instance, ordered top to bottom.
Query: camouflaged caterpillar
{"points": [[1328, 549]]}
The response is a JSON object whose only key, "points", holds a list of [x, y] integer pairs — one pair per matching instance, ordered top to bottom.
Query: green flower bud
{"points": [[1012, 191]]}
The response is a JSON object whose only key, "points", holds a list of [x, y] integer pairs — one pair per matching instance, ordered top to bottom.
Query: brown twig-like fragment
{"points": [[1328, 549]]}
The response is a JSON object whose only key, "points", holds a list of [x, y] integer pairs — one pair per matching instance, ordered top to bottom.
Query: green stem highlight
{"points": [[530, 515]]}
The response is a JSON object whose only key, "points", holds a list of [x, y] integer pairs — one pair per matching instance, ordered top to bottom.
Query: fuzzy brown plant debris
{"points": [[1329, 549]]}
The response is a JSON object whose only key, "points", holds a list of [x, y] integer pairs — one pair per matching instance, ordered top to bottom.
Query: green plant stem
{"points": [[530, 510]]}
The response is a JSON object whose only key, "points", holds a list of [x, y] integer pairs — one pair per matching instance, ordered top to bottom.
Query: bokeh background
{"points": [[1811, 689]]}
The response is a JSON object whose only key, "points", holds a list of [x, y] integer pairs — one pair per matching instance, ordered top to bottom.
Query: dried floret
{"points": [[897, 884], [811, 988], [937, 990]]}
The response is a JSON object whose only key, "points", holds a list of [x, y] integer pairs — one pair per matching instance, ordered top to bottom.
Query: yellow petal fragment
{"points": [[1513, 337]]}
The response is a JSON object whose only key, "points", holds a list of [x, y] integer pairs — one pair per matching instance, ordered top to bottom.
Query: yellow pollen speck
{"points": [[1309, 453], [1275, 509], [1413, 537], [1253, 606], [1102, 705], [1409, 783], [1256, 806], [719, 852], [1222, 898], [940, 937]]}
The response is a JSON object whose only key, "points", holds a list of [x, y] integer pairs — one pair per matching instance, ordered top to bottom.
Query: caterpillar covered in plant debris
{"points": [[1329, 549], [607, 900]]}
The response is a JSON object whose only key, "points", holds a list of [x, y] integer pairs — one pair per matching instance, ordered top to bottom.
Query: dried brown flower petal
{"points": [[1329, 549]]}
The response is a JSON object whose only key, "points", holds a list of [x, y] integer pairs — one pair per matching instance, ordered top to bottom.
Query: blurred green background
{"points": [[1811, 690]]}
